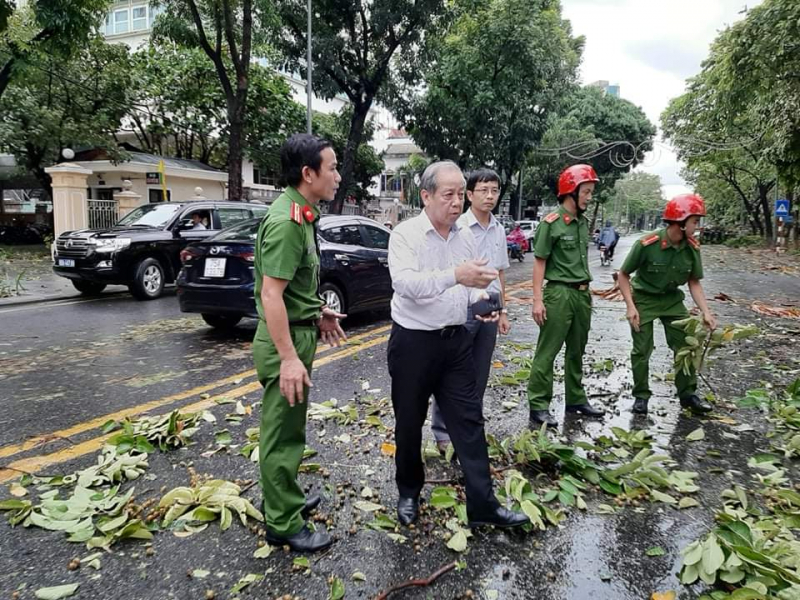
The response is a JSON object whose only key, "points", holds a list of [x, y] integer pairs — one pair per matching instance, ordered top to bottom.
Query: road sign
{"points": [[781, 208]]}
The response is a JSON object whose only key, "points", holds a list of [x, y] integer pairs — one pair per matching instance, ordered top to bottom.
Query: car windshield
{"points": [[149, 215], [246, 231]]}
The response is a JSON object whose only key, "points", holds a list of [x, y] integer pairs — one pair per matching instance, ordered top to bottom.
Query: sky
{"points": [[650, 48]]}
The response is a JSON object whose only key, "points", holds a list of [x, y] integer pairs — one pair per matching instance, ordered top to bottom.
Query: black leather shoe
{"points": [[695, 404], [640, 406], [587, 410], [543, 416], [312, 502], [407, 510], [501, 517], [304, 540]]}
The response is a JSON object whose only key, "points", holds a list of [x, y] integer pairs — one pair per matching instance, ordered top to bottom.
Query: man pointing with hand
{"points": [[435, 270]]}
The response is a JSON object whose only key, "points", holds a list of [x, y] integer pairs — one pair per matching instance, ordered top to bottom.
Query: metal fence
{"points": [[102, 213]]}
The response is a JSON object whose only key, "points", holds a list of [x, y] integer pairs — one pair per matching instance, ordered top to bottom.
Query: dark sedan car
{"points": [[217, 275]]}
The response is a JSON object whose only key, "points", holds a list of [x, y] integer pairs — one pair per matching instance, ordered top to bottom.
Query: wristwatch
{"points": [[503, 311]]}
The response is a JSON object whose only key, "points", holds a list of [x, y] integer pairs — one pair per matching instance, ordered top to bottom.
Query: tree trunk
{"points": [[5, 75], [360, 112], [235, 151], [763, 196], [594, 217]]}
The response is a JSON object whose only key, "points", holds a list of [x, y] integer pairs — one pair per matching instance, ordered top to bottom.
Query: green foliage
{"points": [[499, 70], [55, 102], [636, 199], [744, 241], [701, 343], [209, 501]]}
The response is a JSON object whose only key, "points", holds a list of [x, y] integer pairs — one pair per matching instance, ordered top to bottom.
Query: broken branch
{"points": [[416, 582]]}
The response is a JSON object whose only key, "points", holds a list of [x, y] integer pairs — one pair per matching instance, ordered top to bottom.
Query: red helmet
{"points": [[573, 176], [684, 206]]}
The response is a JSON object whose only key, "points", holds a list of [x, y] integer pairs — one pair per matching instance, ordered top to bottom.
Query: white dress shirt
{"points": [[490, 243], [423, 268]]}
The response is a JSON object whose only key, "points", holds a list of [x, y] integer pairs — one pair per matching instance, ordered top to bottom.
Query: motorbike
{"points": [[515, 251], [605, 255]]}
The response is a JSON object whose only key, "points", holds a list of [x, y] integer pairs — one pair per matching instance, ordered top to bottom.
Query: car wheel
{"points": [[148, 280], [89, 288], [333, 297], [221, 321]]}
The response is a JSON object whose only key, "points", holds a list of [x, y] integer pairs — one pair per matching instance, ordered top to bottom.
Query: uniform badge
{"points": [[299, 213], [552, 217], [567, 219], [649, 240], [693, 243], [664, 244]]}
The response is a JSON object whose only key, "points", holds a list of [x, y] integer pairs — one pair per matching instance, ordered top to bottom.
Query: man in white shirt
{"points": [[483, 192], [435, 270]]}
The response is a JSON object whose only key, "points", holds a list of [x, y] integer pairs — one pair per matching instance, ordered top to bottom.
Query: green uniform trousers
{"points": [[569, 317], [643, 349], [282, 437]]}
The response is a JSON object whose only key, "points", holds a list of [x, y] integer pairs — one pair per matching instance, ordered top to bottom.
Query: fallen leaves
{"points": [[787, 312], [57, 592]]}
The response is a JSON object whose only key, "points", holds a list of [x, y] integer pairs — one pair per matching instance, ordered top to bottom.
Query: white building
{"points": [[130, 21]]}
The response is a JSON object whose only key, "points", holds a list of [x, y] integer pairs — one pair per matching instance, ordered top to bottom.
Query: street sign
{"points": [[782, 208], [787, 219]]}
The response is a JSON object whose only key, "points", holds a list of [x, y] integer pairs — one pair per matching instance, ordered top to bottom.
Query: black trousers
{"points": [[421, 364]]}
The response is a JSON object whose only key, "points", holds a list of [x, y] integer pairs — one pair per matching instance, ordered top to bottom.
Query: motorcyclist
{"points": [[517, 236], [609, 238]]}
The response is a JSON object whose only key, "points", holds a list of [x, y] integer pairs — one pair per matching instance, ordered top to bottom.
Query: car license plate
{"points": [[66, 262], [215, 267]]}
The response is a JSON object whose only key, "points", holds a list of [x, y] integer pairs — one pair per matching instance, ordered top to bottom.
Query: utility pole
{"points": [[309, 70], [519, 204]]}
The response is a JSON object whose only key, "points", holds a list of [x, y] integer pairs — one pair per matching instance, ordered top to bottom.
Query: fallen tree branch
{"points": [[417, 582]]}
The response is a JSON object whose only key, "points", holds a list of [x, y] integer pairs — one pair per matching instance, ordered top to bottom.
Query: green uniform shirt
{"points": [[563, 240], [286, 249], [661, 268]]}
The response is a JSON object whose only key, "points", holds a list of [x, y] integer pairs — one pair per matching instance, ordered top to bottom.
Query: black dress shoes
{"points": [[695, 404], [640, 406], [587, 410], [543, 416], [312, 502], [407, 510], [500, 517], [304, 540]]}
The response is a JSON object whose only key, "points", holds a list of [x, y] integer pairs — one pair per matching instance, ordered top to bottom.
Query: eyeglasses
{"points": [[487, 191]]}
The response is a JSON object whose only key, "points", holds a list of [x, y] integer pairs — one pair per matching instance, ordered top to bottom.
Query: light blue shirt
{"points": [[490, 244]]}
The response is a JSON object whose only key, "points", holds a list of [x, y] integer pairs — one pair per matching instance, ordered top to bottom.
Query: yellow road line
{"points": [[33, 442], [33, 464]]}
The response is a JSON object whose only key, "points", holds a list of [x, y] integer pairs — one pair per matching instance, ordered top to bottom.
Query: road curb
{"points": [[23, 301]]}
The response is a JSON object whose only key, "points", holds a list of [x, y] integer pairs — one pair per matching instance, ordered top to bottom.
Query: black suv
{"points": [[143, 249]]}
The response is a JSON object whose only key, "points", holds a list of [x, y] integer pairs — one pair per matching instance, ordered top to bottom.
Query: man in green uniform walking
{"points": [[663, 261], [563, 309], [291, 315]]}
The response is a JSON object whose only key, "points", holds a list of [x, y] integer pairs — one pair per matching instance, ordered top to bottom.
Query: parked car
{"points": [[529, 229], [143, 249], [217, 275]]}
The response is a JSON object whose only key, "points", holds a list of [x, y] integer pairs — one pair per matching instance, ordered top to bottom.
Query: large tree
{"points": [[54, 27], [227, 31], [354, 44], [497, 72], [60, 103], [181, 108], [610, 133], [636, 200]]}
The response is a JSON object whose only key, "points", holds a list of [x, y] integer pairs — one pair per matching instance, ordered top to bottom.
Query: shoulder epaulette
{"points": [[296, 213], [552, 217], [649, 239], [693, 243]]}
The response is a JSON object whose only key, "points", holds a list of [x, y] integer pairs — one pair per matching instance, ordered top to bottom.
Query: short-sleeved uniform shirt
{"points": [[562, 239], [490, 243], [286, 249], [660, 269]]}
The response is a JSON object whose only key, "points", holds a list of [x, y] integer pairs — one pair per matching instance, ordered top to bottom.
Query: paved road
{"points": [[65, 368]]}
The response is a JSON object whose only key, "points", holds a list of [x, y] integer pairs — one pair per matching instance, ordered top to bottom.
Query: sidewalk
{"points": [[37, 282]]}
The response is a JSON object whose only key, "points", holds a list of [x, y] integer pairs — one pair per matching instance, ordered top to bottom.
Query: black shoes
{"points": [[696, 405], [640, 406], [587, 410], [543, 416], [312, 502], [407, 510], [500, 517], [304, 540]]}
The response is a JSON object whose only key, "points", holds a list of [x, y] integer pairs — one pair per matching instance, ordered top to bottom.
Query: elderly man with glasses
{"points": [[483, 193]]}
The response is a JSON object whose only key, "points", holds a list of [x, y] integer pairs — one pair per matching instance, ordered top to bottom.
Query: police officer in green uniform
{"points": [[663, 261], [563, 310], [291, 317]]}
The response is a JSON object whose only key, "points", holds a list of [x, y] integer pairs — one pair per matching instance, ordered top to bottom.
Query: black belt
{"points": [[581, 285], [305, 323], [445, 332]]}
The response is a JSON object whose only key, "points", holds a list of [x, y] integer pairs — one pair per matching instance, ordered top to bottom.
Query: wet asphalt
{"points": [[66, 366]]}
